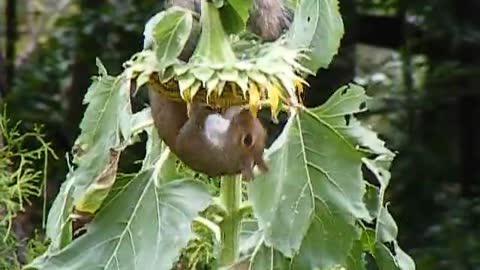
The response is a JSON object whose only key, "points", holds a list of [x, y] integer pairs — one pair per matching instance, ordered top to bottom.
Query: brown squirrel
{"points": [[211, 142]]}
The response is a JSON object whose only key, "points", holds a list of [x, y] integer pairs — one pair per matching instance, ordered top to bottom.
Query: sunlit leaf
{"points": [[317, 25], [168, 32], [171, 35], [313, 164], [328, 241]]}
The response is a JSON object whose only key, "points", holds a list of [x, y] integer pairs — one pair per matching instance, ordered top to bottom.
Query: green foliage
{"points": [[234, 15], [317, 25], [171, 35], [41, 91], [23, 172], [323, 176], [20, 178], [314, 209], [143, 227], [8, 248]]}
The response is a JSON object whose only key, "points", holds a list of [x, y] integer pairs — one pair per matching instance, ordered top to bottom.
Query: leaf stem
{"points": [[231, 198]]}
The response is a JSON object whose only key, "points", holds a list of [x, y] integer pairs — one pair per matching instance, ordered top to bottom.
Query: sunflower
{"points": [[222, 73]]}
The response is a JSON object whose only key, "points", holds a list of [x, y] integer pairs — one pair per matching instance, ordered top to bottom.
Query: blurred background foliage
{"points": [[418, 58]]}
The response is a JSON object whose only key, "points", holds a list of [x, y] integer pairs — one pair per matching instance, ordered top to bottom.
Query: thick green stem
{"points": [[213, 45], [231, 197]]}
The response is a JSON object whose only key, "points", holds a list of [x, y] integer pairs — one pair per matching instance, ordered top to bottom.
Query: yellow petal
{"points": [[299, 85], [194, 89], [274, 94], [186, 95], [254, 98], [189, 109]]}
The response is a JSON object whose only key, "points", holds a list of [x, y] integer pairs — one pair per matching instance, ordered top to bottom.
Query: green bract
{"points": [[218, 73]]}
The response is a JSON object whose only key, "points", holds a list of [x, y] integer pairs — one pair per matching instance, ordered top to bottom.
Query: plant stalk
{"points": [[231, 198]]}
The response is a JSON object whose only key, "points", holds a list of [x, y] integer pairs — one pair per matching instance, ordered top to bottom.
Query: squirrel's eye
{"points": [[248, 140]]}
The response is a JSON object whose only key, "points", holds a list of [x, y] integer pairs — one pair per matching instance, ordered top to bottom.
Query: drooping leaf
{"points": [[234, 15], [317, 25], [168, 32], [171, 34], [108, 100], [106, 126], [313, 163], [97, 191], [59, 226], [142, 227], [250, 237]]}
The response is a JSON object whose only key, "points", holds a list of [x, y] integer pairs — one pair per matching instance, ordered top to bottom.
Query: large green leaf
{"points": [[317, 25], [105, 126], [315, 166], [311, 202], [143, 224], [142, 227], [328, 241], [267, 258], [356, 260]]}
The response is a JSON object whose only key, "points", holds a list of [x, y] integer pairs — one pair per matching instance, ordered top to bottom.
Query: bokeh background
{"points": [[419, 59]]}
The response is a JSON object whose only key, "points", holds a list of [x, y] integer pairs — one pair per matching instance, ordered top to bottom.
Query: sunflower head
{"points": [[222, 72]]}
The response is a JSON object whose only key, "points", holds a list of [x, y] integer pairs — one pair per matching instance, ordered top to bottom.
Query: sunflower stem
{"points": [[214, 46], [231, 197]]}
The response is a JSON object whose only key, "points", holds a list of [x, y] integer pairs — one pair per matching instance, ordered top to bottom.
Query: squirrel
{"points": [[210, 141]]}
